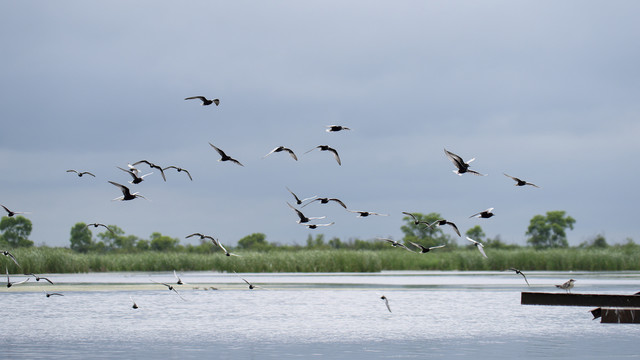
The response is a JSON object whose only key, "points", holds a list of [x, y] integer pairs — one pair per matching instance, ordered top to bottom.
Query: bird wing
{"points": [[196, 97], [216, 101], [272, 151], [220, 152], [293, 155], [335, 155], [457, 160], [235, 161], [71, 170], [475, 172], [88, 173], [124, 189], [298, 201], [339, 202], [415, 220], [454, 227], [195, 234], [437, 247], [481, 249], [12, 258], [525, 278], [47, 279], [20, 282]]}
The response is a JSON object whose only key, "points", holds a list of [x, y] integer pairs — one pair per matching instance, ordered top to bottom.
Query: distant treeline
{"points": [[62, 260]]}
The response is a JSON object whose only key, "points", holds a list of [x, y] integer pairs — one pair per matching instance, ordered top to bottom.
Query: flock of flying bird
{"points": [[137, 177]]}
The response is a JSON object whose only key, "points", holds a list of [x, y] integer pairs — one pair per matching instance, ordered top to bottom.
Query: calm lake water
{"points": [[448, 315]]}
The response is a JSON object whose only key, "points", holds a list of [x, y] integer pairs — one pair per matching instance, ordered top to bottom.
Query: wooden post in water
{"points": [[562, 299], [620, 316]]}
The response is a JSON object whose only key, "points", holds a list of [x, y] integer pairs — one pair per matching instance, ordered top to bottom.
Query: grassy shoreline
{"points": [[61, 260]]}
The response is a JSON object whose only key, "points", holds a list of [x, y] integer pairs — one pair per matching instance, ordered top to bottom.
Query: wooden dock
{"points": [[610, 308]]}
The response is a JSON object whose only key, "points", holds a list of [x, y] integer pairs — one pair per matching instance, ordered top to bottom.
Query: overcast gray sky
{"points": [[547, 91]]}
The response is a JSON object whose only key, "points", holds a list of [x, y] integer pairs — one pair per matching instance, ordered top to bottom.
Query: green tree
{"points": [[16, 230], [549, 231], [476, 233], [424, 234], [81, 238], [116, 240], [255, 241], [159, 242]]}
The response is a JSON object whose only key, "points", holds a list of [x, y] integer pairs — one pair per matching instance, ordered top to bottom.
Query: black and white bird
{"points": [[204, 100], [335, 128], [282, 148], [330, 149], [225, 157], [153, 166], [463, 167], [179, 169], [80, 173], [135, 174], [520, 182], [126, 193], [326, 200], [298, 201], [13, 213], [366, 213], [483, 214], [303, 219], [415, 219], [445, 222], [95, 225], [315, 226], [202, 236], [394, 243], [478, 245], [425, 249], [226, 252], [10, 255], [517, 271], [38, 278], [178, 280], [10, 284], [251, 286], [567, 286], [170, 287], [48, 294], [386, 302], [134, 306]]}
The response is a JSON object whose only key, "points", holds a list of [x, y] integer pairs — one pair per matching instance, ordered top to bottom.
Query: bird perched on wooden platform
{"points": [[204, 100], [330, 149], [225, 157], [463, 167], [80, 173], [520, 182], [483, 214], [478, 246], [567, 286]]}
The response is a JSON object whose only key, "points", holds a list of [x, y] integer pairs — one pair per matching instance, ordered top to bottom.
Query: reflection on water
{"points": [[439, 314]]}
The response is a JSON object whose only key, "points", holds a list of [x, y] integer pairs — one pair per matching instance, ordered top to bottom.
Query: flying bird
{"points": [[204, 100], [334, 128], [282, 148], [330, 149], [225, 157], [153, 166], [462, 166], [179, 169], [80, 173], [135, 174], [520, 182], [126, 193], [326, 200], [298, 201], [12, 213], [366, 213], [483, 214], [304, 219], [415, 219], [445, 222], [95, 225], [315, 226], [202, 236], [396, 244], [478, 245], [424, 249], [226, 252], [10, 255], [517, 271], [38, 278], [179, 281], [10, 284], [251, 286], [567, 286], [170, 287], [47, 294], [386, 302], [134, 306]]}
